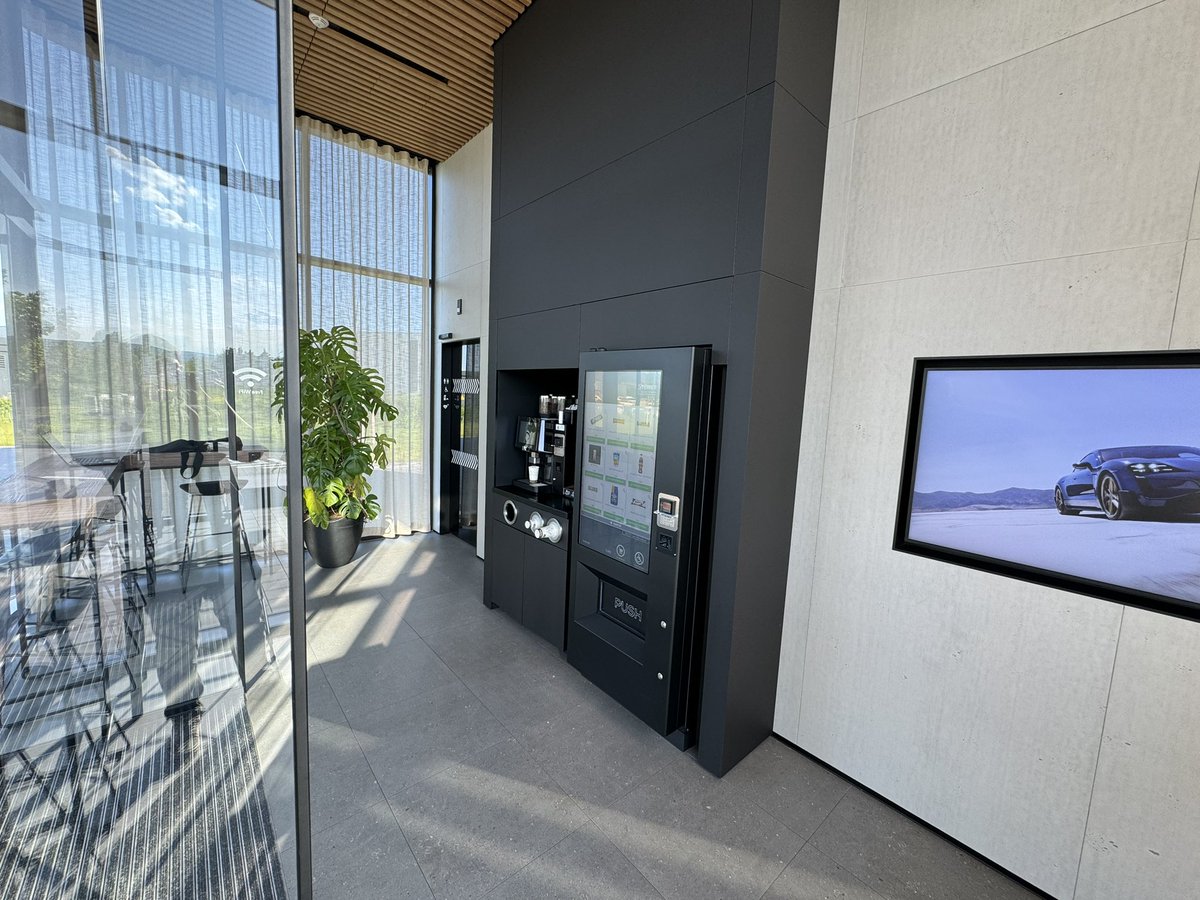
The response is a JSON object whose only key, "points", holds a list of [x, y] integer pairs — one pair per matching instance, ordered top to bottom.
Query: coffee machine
{"points": [[548, 442]]}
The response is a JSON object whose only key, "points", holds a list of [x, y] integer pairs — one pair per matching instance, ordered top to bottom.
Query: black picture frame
{"points": [[1103, 590]]}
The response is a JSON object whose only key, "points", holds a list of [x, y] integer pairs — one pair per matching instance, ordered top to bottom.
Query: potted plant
{"points": [[340, 402]]}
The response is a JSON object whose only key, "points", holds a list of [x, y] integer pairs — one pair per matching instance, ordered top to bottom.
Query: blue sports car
{"points": [[1124, 482]]}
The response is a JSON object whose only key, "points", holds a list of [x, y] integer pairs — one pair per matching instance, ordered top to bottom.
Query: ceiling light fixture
{"points": [[318, 20]]}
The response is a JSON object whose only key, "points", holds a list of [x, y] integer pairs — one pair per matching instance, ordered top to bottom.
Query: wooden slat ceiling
{"points": [[344, 80]]}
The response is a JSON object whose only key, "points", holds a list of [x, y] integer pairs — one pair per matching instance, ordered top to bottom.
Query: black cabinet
{"points": [[506, 548], [527, 576], [544, 601]]}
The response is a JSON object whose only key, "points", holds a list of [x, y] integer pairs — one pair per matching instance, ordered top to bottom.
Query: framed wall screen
{"points": [[1080, 472]]}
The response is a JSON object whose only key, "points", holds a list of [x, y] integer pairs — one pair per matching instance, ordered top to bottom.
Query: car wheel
{"points": [[1109, 493], [1060, 503]]}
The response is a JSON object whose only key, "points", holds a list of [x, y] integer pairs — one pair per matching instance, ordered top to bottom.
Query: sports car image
{"points": [[984, 482], [1132, 482]]}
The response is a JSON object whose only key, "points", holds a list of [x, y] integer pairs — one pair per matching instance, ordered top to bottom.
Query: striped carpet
{"points": [[170, 809]]}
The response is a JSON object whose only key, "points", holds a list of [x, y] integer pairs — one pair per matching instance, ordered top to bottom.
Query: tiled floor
{"points": [[455, 755]]}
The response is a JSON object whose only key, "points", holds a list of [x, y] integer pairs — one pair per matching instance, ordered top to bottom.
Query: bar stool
{"points": [[197, 491]]}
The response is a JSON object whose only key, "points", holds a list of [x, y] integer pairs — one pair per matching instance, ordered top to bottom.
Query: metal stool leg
{"points": [[193, 515], [264, 608]]}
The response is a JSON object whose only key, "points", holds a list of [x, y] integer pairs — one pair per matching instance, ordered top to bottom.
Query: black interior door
{"points": [[460, 439]]}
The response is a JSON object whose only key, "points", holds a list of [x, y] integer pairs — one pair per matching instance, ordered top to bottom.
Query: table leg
{"points": [[148, 527]]}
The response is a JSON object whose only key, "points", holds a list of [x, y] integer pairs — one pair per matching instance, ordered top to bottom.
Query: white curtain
{"points": [[364, 262]]}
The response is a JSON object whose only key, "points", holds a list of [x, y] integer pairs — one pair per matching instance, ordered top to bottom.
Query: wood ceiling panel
{"points": [[345, 63], [342, 78]]}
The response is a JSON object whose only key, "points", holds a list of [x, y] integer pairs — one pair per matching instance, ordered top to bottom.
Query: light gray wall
{"points": [[1011, 177], [462, 270]]}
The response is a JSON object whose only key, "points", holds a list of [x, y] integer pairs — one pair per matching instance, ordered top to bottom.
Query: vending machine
{"points": [[641, 526]]}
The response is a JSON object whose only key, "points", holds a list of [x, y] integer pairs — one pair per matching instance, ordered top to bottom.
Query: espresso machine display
{"points": [[546, 441]]}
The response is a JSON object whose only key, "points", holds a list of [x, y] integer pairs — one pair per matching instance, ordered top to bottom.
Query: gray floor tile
{"points": [[454, 550], [386, 569], [319, 583], [427, 612], [352, 621], [477, 644], [375, 676], [433, 684], [527, 690], [323, 707], [416, 738], [599, 750], [341, 783], [797, 791], [478, 822], [693, 836], [899, 857], [365, 858], [585, 865], [812, 875], [291, 877]]}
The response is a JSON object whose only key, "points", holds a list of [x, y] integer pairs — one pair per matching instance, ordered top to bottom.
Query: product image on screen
{"points": [[620, 438], [1084, 476]]}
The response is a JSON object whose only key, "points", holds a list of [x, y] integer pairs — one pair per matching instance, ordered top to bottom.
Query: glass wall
{"points": [[146, 702]]}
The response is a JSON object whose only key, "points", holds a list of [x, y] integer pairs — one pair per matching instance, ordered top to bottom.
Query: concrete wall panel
{"points": [[918, 46], [1087, 144], [1144, 822]]}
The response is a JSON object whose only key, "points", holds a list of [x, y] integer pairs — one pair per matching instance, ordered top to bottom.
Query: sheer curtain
{"points": [[150, 254], [364, 262]]}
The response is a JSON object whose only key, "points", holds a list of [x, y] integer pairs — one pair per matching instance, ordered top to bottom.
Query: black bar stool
{"points": [[197, 491]]}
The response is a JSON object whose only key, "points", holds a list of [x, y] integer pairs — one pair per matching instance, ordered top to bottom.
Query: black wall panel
{"points": [[807, 36], [764, 44], [585, 83], [755, 165], [657, 182], [662, 216], [792, 222], [674, 317], [544, 340], [756, 528], [718, 692]]}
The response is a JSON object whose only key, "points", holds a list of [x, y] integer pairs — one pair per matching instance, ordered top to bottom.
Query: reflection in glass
{"points": [[145, 708]]}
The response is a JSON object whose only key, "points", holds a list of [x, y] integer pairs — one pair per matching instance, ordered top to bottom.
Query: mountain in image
{"points": [[1009, 498]]}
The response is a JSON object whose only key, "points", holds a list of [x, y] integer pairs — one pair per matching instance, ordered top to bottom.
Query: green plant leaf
{"points": [[342, 406]]}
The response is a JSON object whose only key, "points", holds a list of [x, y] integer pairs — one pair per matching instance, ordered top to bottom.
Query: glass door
{"points": [[460, 439], [146, 734]]}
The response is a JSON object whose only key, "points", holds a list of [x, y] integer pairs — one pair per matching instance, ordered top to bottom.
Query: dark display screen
{"points": [[620, 441], [1081, 475]]}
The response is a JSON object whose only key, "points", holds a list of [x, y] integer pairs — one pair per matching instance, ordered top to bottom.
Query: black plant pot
{"points": [[333, 546]]}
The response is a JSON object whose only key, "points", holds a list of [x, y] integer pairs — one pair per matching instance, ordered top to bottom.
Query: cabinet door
{"points": [[506, 563], [544, 610]]}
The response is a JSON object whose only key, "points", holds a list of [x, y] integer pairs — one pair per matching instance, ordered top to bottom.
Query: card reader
{"points": [[666, 512]]}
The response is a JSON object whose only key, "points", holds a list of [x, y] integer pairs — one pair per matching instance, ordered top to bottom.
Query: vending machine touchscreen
{"points": [[620, 437], [638, 586]]}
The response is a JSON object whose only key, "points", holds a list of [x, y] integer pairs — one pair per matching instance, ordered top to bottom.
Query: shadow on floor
{"points": [[456, 755]]}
